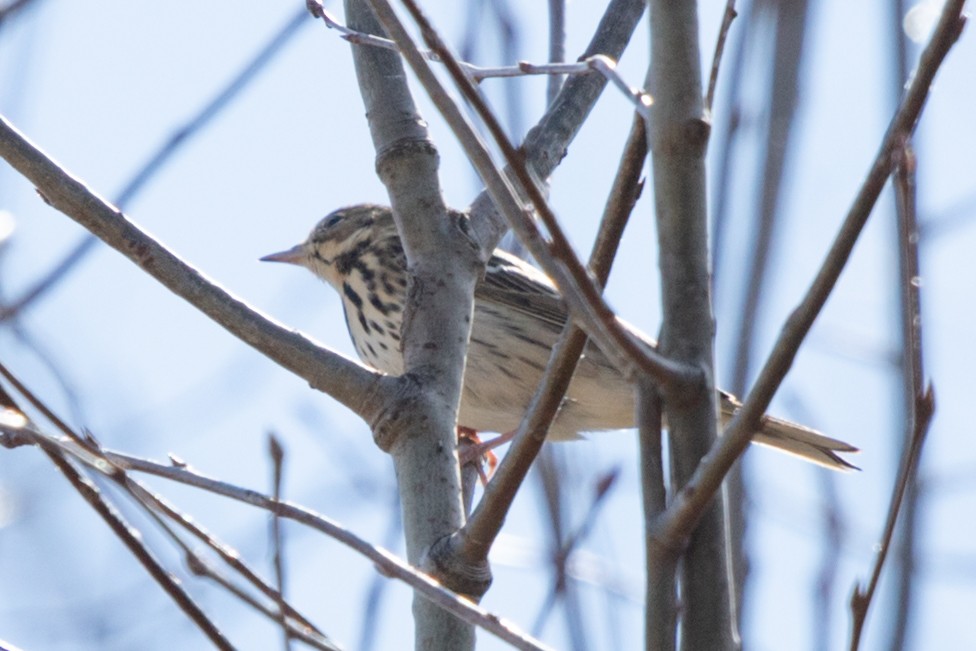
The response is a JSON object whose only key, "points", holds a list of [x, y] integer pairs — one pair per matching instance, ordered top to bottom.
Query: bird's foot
{"points": [[471, 449]]}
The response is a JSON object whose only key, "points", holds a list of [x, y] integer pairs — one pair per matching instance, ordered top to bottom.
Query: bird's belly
{"points": [[502, 373]]}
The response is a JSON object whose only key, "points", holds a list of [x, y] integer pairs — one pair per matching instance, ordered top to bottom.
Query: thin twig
{"points": [[723, 32], [557, 45], [599, 63], [782, 95], [731, 117], [547, 143], [907, 233], [556, 256], [349, 382], [921, 400], [87, 442], [277, 455], [550, 467], [154, 504], [157, 506], [158, 509], [108, 512], [683, 514], [481, 529], [133, 541], [562, 555], [388, 563], [660, 581], [862, 596], [297, 625], [296, 630]]}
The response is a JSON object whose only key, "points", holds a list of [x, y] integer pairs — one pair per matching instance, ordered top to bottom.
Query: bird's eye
{"points": [[333, 220]]}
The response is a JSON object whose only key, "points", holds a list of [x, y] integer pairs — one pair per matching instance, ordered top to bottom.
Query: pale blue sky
{"points": [[100, 88]]}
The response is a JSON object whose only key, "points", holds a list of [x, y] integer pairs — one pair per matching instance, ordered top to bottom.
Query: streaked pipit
{"points": [[518, 316]]}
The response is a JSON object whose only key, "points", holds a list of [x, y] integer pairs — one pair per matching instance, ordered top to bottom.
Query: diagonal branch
{"points": [[601, 63], [175, 143], [546, 145], [556, 257], [352, 384], [920, 399], [924, 408], [16, 428], [20, 431], [105, 462], [160, 510], [681, 517], [474, 540], [133, 542]]}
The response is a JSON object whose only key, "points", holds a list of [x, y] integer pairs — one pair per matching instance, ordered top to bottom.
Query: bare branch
{"points": [[723, 32], [557, 45], [603, 64], [677, 139], [176, 142], [546, 145], [556, 257], [909, 367], [349, 382], [921, 401], [419, 426], [18, 429], [277, 455], [158, 509], [683, 513], [474, 540], [133, 541], [562, 555], [388, 562], [199, 567], [661, 577], [862, 596]]}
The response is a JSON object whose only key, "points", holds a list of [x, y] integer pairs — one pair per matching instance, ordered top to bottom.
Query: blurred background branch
{"points": [[150, 376]]}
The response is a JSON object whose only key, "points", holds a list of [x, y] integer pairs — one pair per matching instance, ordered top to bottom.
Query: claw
{"points": [[473, 450]]}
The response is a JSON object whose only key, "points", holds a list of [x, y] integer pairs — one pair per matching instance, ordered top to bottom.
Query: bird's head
{"points": [[340, 239]]}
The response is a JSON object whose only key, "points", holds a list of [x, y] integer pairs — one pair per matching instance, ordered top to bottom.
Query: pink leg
{"points": [[474, 450]]}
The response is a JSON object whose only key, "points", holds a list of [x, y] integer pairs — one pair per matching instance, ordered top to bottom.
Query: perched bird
{"points": [[518, 316]]}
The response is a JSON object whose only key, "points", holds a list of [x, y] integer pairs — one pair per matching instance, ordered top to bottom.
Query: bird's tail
{"points": [[793, 438], [804, 442]]}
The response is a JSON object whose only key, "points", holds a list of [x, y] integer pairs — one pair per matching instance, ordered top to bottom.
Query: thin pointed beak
{"points": [[294, 255]]}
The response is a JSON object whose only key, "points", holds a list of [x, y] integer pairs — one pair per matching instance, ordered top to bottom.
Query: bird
{"points": [[518, 316]]}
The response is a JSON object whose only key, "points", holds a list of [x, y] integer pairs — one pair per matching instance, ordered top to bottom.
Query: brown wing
{"points": [[517, 285]]}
